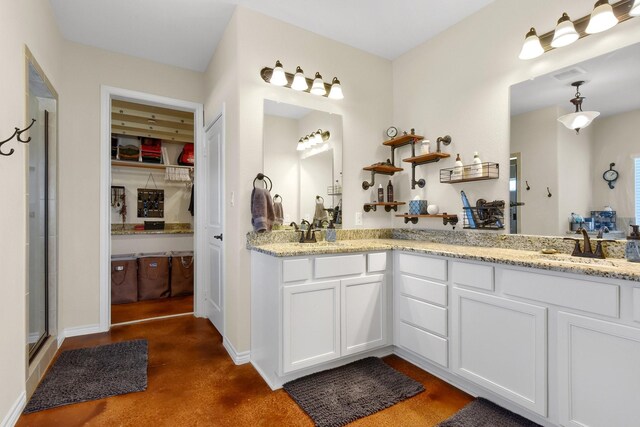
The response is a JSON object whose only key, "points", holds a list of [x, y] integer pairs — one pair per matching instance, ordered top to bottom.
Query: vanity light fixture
{"points": [[603, 17], [565, 32], [299, 81], [317, 88], [336, 90], [579, 119], [315, 138], [300, 146]]}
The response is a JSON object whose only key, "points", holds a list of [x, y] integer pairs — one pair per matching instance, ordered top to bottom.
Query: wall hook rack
{"points": [[17, 133], [548, 192]]}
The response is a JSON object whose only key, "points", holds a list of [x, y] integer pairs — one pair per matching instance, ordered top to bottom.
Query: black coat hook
{"points": [[16, 133], [528, 188], [548, 192]]}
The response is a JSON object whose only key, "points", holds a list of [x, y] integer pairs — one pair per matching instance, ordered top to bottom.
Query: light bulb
{"points": [[602, 18], [565, 32], [531, 47], [278, 77], [299, 81], [317, 88], [336, 90]]}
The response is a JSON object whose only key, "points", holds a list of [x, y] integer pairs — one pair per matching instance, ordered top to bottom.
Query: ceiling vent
{"points": [[569, 74]]}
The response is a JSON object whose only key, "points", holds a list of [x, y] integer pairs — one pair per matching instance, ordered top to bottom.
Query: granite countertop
{"points": [[169, 228], [615, 268]]}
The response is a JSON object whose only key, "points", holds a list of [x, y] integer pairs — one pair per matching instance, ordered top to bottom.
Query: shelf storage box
{"points": [[479, 172], [181, 273], [153, 277], [124, 280]]}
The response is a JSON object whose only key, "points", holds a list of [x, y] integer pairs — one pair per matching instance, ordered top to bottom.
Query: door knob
{"points": [[219, 237]]}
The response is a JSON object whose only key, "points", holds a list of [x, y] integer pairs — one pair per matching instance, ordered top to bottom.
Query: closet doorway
{"points": [[149, 221]]}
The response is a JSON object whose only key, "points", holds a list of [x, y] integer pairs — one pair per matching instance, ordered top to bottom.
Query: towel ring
{"points": [[264, 178], [277, 196], [319, 198]]}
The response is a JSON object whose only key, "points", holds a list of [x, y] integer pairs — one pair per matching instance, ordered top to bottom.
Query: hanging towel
{"points": [[278, 212], [321, 213], [262, 216]]}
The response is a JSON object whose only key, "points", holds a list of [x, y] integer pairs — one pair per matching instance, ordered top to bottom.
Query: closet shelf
{"points": [[128, 164], [388, 206]]}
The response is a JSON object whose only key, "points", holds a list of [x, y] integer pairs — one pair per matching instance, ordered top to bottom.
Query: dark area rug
{"points": [[92, 373], [339, 396], [482, 413]]}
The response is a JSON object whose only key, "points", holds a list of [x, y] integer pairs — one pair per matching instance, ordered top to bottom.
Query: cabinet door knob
{"points": [[218, 236]]}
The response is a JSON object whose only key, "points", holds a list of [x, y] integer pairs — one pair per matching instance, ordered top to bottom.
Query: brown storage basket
{"points": [[181, 273], [153, 277], [124, 280]]}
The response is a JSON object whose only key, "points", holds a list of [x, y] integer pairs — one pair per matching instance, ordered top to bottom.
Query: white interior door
{"points": [[214, 188]]}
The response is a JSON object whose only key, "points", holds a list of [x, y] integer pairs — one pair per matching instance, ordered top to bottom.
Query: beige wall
{"points": [[29, 23], [258, 41], [86, 69], [458, 83]]}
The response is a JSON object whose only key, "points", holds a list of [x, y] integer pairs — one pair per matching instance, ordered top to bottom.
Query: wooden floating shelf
{"points": [[403, 140], [426, 158], [127, 164], [383, 169], [388, 206], [446, 218]]}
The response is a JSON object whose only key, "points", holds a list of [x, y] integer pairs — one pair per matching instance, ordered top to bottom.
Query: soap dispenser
{"points": [[476, 168], [456, 175], [330, 234], [632, 251]]}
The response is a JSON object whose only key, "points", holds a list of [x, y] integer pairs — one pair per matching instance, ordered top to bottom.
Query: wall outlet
{"points": [[358, 220]]}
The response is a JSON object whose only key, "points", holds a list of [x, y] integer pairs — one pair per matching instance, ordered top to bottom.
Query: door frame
{"points": [[106, 94], [201, 194]]}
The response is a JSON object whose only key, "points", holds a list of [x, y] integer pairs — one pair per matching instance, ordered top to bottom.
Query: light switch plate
{"points": [[358, 220]]}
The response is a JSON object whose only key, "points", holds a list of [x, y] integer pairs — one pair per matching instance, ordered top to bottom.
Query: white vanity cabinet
{"points": [[314, 312]]}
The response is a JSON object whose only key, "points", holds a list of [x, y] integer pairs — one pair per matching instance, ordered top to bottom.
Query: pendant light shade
{"points": [[635, 9], [602, 18], [565, 32], [531, 47], [278, 77], [299, 81], [317, 88], [336, 90], [579, 119], [317, 137], [307, 142], [300, 146]]}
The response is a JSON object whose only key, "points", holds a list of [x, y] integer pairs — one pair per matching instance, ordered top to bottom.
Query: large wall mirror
{"points": [[42, 105], [557, 172], [307, 175]]}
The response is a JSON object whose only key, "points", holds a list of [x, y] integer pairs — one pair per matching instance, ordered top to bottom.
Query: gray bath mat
{"points": [[92, 373], [339, 396], [482, 413]]}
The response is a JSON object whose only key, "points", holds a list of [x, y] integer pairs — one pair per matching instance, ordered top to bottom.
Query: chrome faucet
{"points": [[310, 237], [587, 251]]}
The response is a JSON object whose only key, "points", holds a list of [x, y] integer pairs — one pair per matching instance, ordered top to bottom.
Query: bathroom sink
{"points": [[319, 244], [573, 260]]}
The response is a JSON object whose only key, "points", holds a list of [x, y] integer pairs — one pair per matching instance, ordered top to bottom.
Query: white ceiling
{"points": [[185, 33], [611, 85]]}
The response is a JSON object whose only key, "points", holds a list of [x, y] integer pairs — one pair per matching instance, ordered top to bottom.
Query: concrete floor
{"points": [[193, 382]]}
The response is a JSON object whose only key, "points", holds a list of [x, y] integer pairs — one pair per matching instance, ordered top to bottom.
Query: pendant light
{"points": [[635, 9], [602, 18], [565, 32], [531, 47], [278, 77], [299, 81], [317, 88], [336, 90], [579, 119], [307, 142], [300, 146]]}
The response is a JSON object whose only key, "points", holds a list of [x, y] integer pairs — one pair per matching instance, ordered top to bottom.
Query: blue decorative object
{"points": [[418, 207]]}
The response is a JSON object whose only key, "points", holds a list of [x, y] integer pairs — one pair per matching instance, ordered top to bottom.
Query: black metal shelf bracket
{"points": [[17, 133], [420, 183], [366, 185], [369, 207], [410, 219], [453, 220]]}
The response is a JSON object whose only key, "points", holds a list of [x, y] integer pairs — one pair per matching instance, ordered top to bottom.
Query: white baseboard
{"points": [[81, 330], [60, 339], [238, 358], [11, 418]]}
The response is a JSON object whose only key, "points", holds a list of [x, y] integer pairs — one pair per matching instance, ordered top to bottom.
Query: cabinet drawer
{"points": [[376, 262], [343, 265], [432, 268], [296, 269], [473, 275], [423, 289], [594, 297], [426, 316], [423, 343]]}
